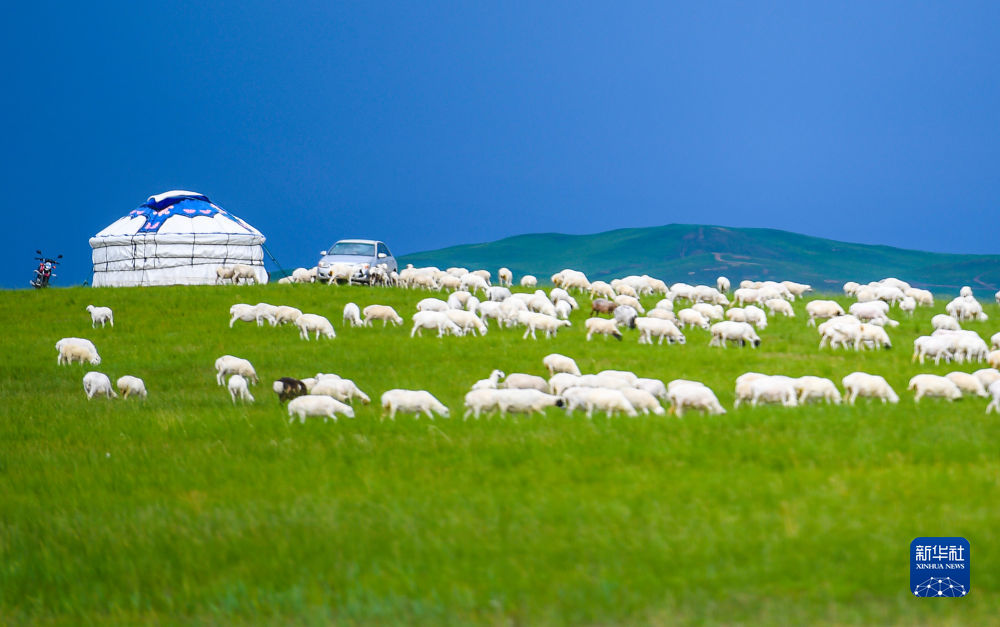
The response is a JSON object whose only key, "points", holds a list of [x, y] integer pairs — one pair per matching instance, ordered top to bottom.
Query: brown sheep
{"points": [[602, 306]]}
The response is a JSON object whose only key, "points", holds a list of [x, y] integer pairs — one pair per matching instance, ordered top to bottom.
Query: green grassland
{"points": [[698, 253], [183, 507]]}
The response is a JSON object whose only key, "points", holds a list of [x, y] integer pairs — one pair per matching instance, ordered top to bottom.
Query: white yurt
{"points": [[174, 238]]}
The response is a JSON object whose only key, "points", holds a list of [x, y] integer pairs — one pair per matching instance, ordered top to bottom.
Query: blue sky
{"points": [[429, 124]]}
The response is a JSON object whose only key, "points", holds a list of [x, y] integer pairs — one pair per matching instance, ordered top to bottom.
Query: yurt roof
{"points": [[178, 212]]}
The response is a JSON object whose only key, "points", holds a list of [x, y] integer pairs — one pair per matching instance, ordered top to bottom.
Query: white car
{"points": [[362, 253]]}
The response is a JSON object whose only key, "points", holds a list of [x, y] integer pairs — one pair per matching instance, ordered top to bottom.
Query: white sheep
{"points": [[245, 272], [223, 274], [301, 275], [505, 277], [529, 280], [473, 282], [722, 284], [432, 304], [780, 305], [908, 305], [821, 309], [710, 311], [244, 312], [284, 313], [385, 313], [100, 314], [352, 315], [755, 316], [690, 317], [434, 320], [467, 321], [536, 321], [308, 322], [946, 322], [602, 326], [650, 327], [730, 331], [937, 346], [76, 349], [554, 362], [227, 364], [987, 376], [521, 381], [97, 383], [490, 383], [967, 383], [869, 385], [933, 385], [131, 386], [654, 386], [818, 388], [238, 389], [776, 389], [344, 390], [743, 392], [693, 395], [605, 400], [524, 401], [643, 401], [412, 402], [325, 406]]}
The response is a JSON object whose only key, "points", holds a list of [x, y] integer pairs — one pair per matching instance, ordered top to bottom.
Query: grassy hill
{"points": [[695, 253], [186, 508]]}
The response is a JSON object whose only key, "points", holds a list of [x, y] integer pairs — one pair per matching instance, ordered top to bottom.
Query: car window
{"points": [[352, 248], [384, 250]]}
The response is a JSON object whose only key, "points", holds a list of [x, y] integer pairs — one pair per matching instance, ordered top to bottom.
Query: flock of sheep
{"points": [[474, 302]]}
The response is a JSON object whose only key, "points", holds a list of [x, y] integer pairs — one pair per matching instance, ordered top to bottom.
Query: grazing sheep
{"points": [[245, 272], [223, 274], [301, 275], [505, 277], [529, 280], [473, 282], [722, 284], [432, 304], [780, 305], [908, 305], [602, 306], [563, 309], [822, 309], [244, 312], [385, 313], [100, 314], [284, 314], [661, 314], [352, 315], [625, 315], [755, 316], [692, 318], [433, 320], [467, 321], [536, 321], [308, 322], [946, 322], [604, 327], [662, 329], [729, 331], [995, 341], [937, 346], [76, 349], [555, 362], [227, 364], [987, 376], [521, 381], [97, 383], [490, 383], [967, 383], [129, 385], [870, 385], [933, 385], [654, 386], [288, 388], [819, 388], [238, 389], [776, 389], [344, 390], [693, 395], [606, 400], [478, 401], [524, 401], [643, 401], [412, 402], [325, 406]]}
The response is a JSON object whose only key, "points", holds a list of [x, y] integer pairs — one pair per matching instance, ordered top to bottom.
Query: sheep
{"points": [[245, 272], [223, 273], [301, 275], [505, 277], [529, 280], [473, 282], [722, 284], [851, 288], [603, 289], [797, 290], [498, 293], [558, 294], [743, 296], [922, 297], [457, 300], [630, 301], [540, 303], [432, 304], [780, 305], [908, 305], [600, 306], [563, 309], [821, 309], [963, 309], [869, 310], [264, 311], [244, 312], [712, 312], [385, 313], [100, 314], [284, 314], [661, 314], [736, 314], [352, 315], [624, 315], [755, 316], [690, 317], [433, 320], [467, 321], [533, 321], [314, 322], [946, 322], [604, 327], [662, 329], [730, 331], [873, 335], [995, 341], [936, 346], [76, 349], [994, 359], [554, 362], [227, 364], [987, 376], [520, 381], [97, 383], [489, 383], [967, 383], [129, 385], [870, 385], [933, 385], [654, 386], [288, 388], [820, 388], [238, 389], [777, 389], [344, 390], [743, 391], [994, 391], [693, 395], [606, 400], [478, 401], [525, 401], [643, 401], [412, 402], [325, 406]]}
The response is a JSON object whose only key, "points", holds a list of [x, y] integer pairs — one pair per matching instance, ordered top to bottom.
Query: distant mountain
{"points": [[697, 253]]}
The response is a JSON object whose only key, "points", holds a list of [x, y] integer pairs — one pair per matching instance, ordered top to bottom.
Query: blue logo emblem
{"points": [[939, 567]]}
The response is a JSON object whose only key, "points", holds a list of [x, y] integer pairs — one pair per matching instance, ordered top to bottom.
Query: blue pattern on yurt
{"points": [[186, 206]]}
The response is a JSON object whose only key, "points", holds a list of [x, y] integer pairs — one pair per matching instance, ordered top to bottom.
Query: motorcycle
{"points": [[44, 271]]}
